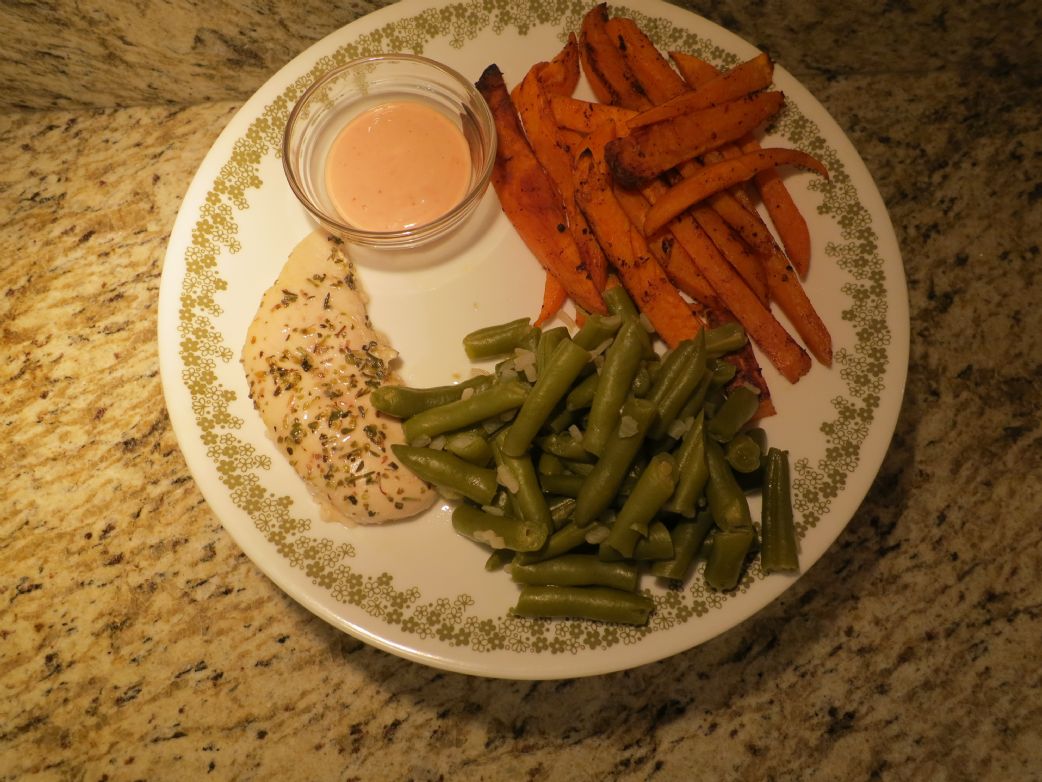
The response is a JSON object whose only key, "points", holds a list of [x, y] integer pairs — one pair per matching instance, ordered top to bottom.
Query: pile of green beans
{"points": [[586, 460]]}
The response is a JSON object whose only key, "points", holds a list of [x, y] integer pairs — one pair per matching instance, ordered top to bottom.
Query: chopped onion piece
{"points": [[568, 321], [601, 348], [467, 393], [627, 426], [679, 428], [576, 433], [421, 442], [438, 443], [506, 478], [492, 510], [597, 533], [490, 538]]}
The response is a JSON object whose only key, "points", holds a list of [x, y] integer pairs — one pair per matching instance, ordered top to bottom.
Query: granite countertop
{"points": [[138, 642]]}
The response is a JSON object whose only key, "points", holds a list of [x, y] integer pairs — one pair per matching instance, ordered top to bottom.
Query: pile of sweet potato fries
{"points": [[657, 183]]}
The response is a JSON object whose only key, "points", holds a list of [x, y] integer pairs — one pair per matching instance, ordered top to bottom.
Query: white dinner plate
{"points": [[415, 588]]}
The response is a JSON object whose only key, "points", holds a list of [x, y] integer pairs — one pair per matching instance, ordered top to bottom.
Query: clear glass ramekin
{"points": [[343, 93]]}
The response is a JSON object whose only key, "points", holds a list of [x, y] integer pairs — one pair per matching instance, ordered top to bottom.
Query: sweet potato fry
{"points": [[695, 70], [561, 75], [610, 78], [744, 79], [658, 80], [533, 106], [584, 116], [653, 149], [720, 176], [531, 201], [786, 216], [628, 252], [738, 255], [672, 257], [786, 290], [554, 297], [781, 350]]}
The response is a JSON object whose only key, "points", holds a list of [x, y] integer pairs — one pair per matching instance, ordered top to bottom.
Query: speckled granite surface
{"points": [[137, 642]]}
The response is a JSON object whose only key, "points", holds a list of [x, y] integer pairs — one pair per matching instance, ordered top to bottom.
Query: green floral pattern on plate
{"points": [[328, 564]]}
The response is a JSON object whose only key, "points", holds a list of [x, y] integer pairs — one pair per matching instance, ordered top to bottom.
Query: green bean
{"points": [[618, 302], [596, 330], [725, 338], [497, 340], [548, 340], [530, 341], [621, 363], [671, 364], [565, 365], [723, 372], [641, 381], [582, 394], [671, 398], [405, 402], [490, 402], [696, 402], [736, 411], [560, 420], [759, 436], [470, 445], [565, 446], [743, 454], [549, 464], [577, 468], [446, 469], [691, 469], [568, 485], [601, 486], [653, 488], [527, 493], [727, 502], [561, 509], [779, 530], [497, 531], [688, 537], [567, 538], [658, 545], [727, 558], [498, 559], [578, 570], [598, 603]]}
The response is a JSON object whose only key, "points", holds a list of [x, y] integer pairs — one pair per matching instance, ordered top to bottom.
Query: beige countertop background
{"points": [[138, 642]]}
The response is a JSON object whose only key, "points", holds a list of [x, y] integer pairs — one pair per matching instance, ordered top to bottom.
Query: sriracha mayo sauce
{"points": [[397, 166]]}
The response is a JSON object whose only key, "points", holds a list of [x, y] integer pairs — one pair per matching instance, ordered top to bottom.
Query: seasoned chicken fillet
{"points": [[311, 359]]}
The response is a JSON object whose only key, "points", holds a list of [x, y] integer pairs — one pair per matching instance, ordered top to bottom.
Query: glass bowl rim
{"points": [[404, 236]]}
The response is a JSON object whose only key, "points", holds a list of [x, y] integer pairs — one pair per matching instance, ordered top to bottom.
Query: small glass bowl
{"points": [[348, 90]]}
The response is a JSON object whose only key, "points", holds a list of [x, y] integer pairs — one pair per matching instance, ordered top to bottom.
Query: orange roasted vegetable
{"points": [[561, 75], [610, 77], [744, 79], [533, 106], [584, 116], [653, 149], [720, 176], [530, 200], [782, 209], [629, 254], [671, 255]]}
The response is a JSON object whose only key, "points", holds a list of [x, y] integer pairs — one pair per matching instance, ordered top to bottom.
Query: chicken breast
{"points": [[311, 359]]}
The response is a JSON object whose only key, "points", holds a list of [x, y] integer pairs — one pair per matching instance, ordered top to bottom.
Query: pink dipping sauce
{"points": [[397, 166]]}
